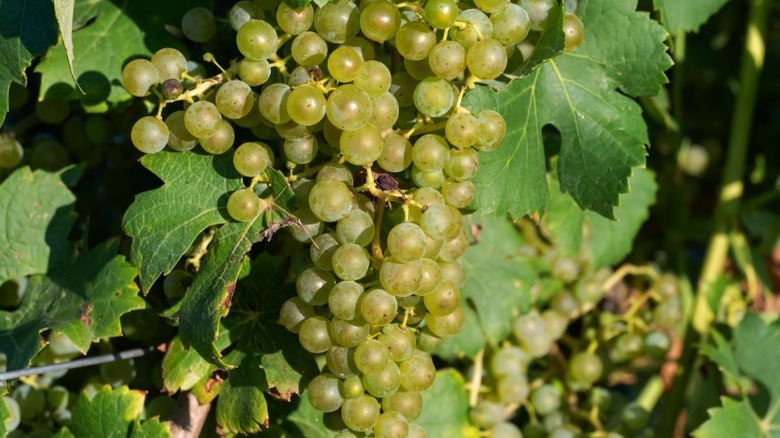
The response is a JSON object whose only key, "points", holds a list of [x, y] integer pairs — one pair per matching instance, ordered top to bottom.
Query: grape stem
{"points": [[414, 7], [376, 247], [476, 378]]}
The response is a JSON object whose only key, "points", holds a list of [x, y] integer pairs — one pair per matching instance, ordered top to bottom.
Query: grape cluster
{"points": [[361, 103], [550, 382]]}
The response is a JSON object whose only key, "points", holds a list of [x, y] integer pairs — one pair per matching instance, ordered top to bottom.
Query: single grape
{"points": [[490, 6], [244, 11], [538, 12], [441, 14], [380, 20], [294, 21], [337, 21], [511, 24], [198, 25], [478, 27], [574, 31], [257, 40], [414, 40], [309, 49], [447, 59], [486, 59], [170, 63], [344, 63], [254, 73], [139, 77], [374, 78], [403, 87], [171, 89], [434, 97], [235, 99], [273, 103], [306, 105], [349, 107], [384, 111], [202, 119], [462, 130], [149, 135], [220, 141], [361, 146], [301, 150], [11, 153], [396, 153], [430, 153], [251, 159], [458, 194], [330, 200], [243, 205], [438, 221], [357, 227], [406, 242], [350, 262], [400, 278], [314, 285], [344, 298], [444, 299], [378, 307], [293, 312], [446, 325], [349, 333], [314, 336], [657, 343], [371, 356], [509, 360], [339, 361], [585, 367], [417, 372], [384, 382], [351, 387], [513, 388], [323, 393], [546, 399], [32, 401], [407, 403], [360, 413], [487, 413], [14, 414], [390, 425], [505, 430]]}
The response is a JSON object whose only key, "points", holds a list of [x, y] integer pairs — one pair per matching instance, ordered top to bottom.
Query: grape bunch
{"points": [[359, 103], [584, 334]]}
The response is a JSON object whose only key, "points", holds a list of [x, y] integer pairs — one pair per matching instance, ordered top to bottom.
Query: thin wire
{"points": [[78, 363]]}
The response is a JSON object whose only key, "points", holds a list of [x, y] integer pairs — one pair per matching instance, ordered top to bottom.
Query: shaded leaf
{"points": [[63, 10], [687, 15], [551, 43], [182, 368], [241, 407], [446, 412], [111, 413], [734, 419], [151, 428]]}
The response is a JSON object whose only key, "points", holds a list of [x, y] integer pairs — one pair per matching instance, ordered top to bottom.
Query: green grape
{"points": [[490, 6], [244, 11], [538, 12], [441, 14], [380, 20], [294, 21], [337, 21], [511, 24], [198, 25], [478, 27], [574, 31], [257, 40], [414, 40], [363, 46], [309, 49], [447, 59], [486, 59], [344, 63], [170, 64], [419, 70], [254, 73], [139, 77], [374, 78], [403, 87], [434, 97], [235, 99], [273, 103], [306, 105], [348, 107], [52, 111], [384, 111], [202, 119], [492, 129], [462, 130], [293, 131], [332, 134], [149, 135], [220, 141], [361, 146], [302, 150], [11, 153], [396, 153], [430, 153], [48, 154], [251, 159], [462, 164], [336, 171], [458, 194], [330, 200], [243, 205], [437, 221], [309, 227], [357, 227], [406, 242], [432, 247], [454, 249], [321, 251], [350, 262], [453, 272], [430, 277], [400, 278], [176, 283], [314, 284], [588, 290], [344, 298], [444, 299], [565, 303], [378, 307], [293, 312], [555, 323], [446, 325], [349, 333], [314, 335], [427, 341], [400, 342], [657, 343], [628, 346], [62, 347], [371, 356], [509, 360], [339, 361], [585, 367], [417, 372], [118, 373], [384, 382], [351, 387], [513, 388], [323, 393], [57, 397], [546, 399], [31, 401], [407, 403], [360, 413], [487, 413], [14, 414], [634, 417], [391, 425], [505, 430]]}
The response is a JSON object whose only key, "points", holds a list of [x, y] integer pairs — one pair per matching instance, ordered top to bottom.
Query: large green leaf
{"points": [[687, 15], [27, 29], [123, 30], [603, 134], [37, 217], [164, 222], [608, 241], [497, 288], [82, 299], [242, 407], [446, 407], [114, 413]]}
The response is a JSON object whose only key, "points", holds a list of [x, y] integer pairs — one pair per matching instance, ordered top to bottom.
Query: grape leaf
{"points": [[63, 10], [687, 15], [27, 29], [123, 30], [551, 43], [603, 134], [37, 217], [164, 222], [608, 241], [497, 288], [209, 298], [82, 299], [182, 368], [242, 407], [446, 412], [114, 413], [739, 417], [309, 420]]}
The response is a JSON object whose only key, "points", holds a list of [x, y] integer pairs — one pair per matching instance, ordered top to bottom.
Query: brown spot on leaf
{"points": [[231, 289], [86, 309], [274, 392]]}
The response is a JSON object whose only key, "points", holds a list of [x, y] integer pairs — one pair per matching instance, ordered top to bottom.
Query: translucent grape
{"points": [[490, 6], [244, 11], [538, 12], [441, 14], [380, 20], [294, 21], [337, 21], [510, 24], [198, 25], [478, 27], [574, 31], [257, 40], [414, 40], [309, 49], [447, 59], [486, 59], [344, 63], [254, 73], [139, 76], [374, 78], [434, 97], [235, 99], [273, 103], [306, 105], [348, 107], [384, 111], [202, 119], [492, 129], [462, 130], [149, 135], [221, 141], [361, 146], [302, 150], [11, 153], [396, 153], [430, 153], [251, 159], [462, 164], [336, 171], [428, 179], [458, 194], [330, 200], [243, 205], [357, 227], [406, 242], [350, 262], [399, 278], [314, 285], [444, 298], [343, 299], [378, 307], [293, 312], [446, 325], [349, 333], [314, 336], [400, 342], [417, 372], [384, 382], [323, 393], [407, 403], [360, 413]]}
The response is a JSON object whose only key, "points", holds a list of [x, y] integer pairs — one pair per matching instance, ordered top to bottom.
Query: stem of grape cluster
{"points": [[727, 208], [476, 378]]}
